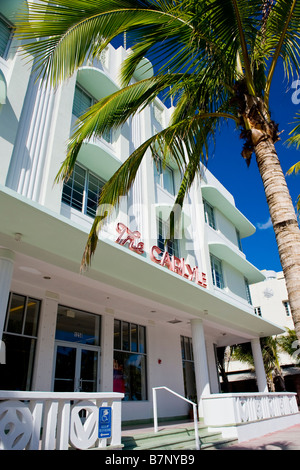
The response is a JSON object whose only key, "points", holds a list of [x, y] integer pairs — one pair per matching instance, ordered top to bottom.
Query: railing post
{"points": [[155, 410], [195, 412], [196, 426]]}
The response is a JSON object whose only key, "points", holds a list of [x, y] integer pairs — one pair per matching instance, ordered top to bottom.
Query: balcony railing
{"points": [[242, 408], [59, 421]]}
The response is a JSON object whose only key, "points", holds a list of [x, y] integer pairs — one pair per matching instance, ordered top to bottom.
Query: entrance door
{"points": [[77, 368]]}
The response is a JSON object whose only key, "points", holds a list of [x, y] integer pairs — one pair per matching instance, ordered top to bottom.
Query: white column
{"points": [[7, 258], [107, 352], [200, 362], [259, 366]]}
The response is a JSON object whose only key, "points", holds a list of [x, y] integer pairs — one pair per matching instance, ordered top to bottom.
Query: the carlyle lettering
{"points": [[174, 264]]}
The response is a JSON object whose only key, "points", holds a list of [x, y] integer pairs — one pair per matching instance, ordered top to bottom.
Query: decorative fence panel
{"points": [[59, 421]]}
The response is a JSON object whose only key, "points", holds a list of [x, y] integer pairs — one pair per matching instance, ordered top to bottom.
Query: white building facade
{"points": [[143, 315]]}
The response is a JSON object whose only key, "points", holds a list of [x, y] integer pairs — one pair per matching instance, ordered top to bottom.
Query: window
{"points": [[5, 36], [82, 101], [164, 176], [82, 191], [209, 215], [238, 236], [172, 245], [217, 272], [248, 291], [287, 307], [257, 311], [77, 326], [20, 337], [130, 360], [188, 368]]}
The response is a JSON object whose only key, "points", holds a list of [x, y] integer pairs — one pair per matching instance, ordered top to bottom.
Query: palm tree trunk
{"points": [[283, 218]]}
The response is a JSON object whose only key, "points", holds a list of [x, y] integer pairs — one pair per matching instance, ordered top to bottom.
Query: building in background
{"points": [[270, 301], [144, 315]]}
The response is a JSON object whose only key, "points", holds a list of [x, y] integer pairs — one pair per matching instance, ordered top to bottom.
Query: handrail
{"points": [[197, 440]]}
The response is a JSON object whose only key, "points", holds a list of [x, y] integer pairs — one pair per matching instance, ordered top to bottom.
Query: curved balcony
{"points": [[144, 70], [96, 82], [99, 158], [212, 195], [237, 260]]}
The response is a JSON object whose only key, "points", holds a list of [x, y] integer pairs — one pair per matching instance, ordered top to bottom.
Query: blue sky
{"points": [[228, 166], [245, 183]]}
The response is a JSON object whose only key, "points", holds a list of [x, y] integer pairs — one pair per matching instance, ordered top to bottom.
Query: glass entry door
{"points": [[77, 351], [77, 368]]}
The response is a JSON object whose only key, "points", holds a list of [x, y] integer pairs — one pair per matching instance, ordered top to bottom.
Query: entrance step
{"points": [[175, 438]]}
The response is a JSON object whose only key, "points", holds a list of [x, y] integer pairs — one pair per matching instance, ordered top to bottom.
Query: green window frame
{"points": [[6, 31], [81, 103], [82, 191], [209, 215], [217, 272]]}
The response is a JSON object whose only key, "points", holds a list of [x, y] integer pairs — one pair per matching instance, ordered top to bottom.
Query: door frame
{"points": [[78, 347]]}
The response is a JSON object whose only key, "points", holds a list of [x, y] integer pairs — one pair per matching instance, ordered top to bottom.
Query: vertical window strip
{"points": [[5, 36], [82, 102], [164, 176], [82, 191], [209, 215], [162, 234], [217, 272], [248, 294], [286, 305], [257, 311]]}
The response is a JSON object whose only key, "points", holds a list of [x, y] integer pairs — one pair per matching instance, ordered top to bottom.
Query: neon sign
{"points": [[157, 256]]}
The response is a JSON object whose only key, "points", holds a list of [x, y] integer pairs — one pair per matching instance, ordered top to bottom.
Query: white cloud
{"points": [[265, 226]]}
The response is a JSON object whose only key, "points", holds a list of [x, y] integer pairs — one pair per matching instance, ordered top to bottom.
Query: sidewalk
{"points": [[287, 439]]}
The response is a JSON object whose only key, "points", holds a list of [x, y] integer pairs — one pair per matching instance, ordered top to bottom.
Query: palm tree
{"points": [[216, 58], [290, 344], [269, 347]]}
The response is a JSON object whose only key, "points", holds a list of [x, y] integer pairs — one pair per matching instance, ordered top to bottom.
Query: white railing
{"points": [[242, 408], [195, 414], [59, 421]]}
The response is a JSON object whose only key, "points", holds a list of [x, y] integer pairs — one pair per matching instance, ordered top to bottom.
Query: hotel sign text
{"points": [[174, 264]]}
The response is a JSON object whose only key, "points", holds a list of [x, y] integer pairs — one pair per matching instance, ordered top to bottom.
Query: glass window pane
{"points": [[5, 33], [82, 101], [157, 171], [168, 181], [95, 186], [78, 188], [16, 314], [32, 316], [77, 326], [117, 334], [125, 336], [134, 337], [142, 339], [182, 347], [187, 348], [89, 366], [65, 369], [16, 374], [130, 375]]}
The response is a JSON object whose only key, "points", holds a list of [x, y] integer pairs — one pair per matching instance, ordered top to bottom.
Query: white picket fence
{"points": [[59, 421]]}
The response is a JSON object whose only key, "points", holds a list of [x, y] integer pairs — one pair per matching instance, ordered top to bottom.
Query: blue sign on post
{"points": [[104, 422]]}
